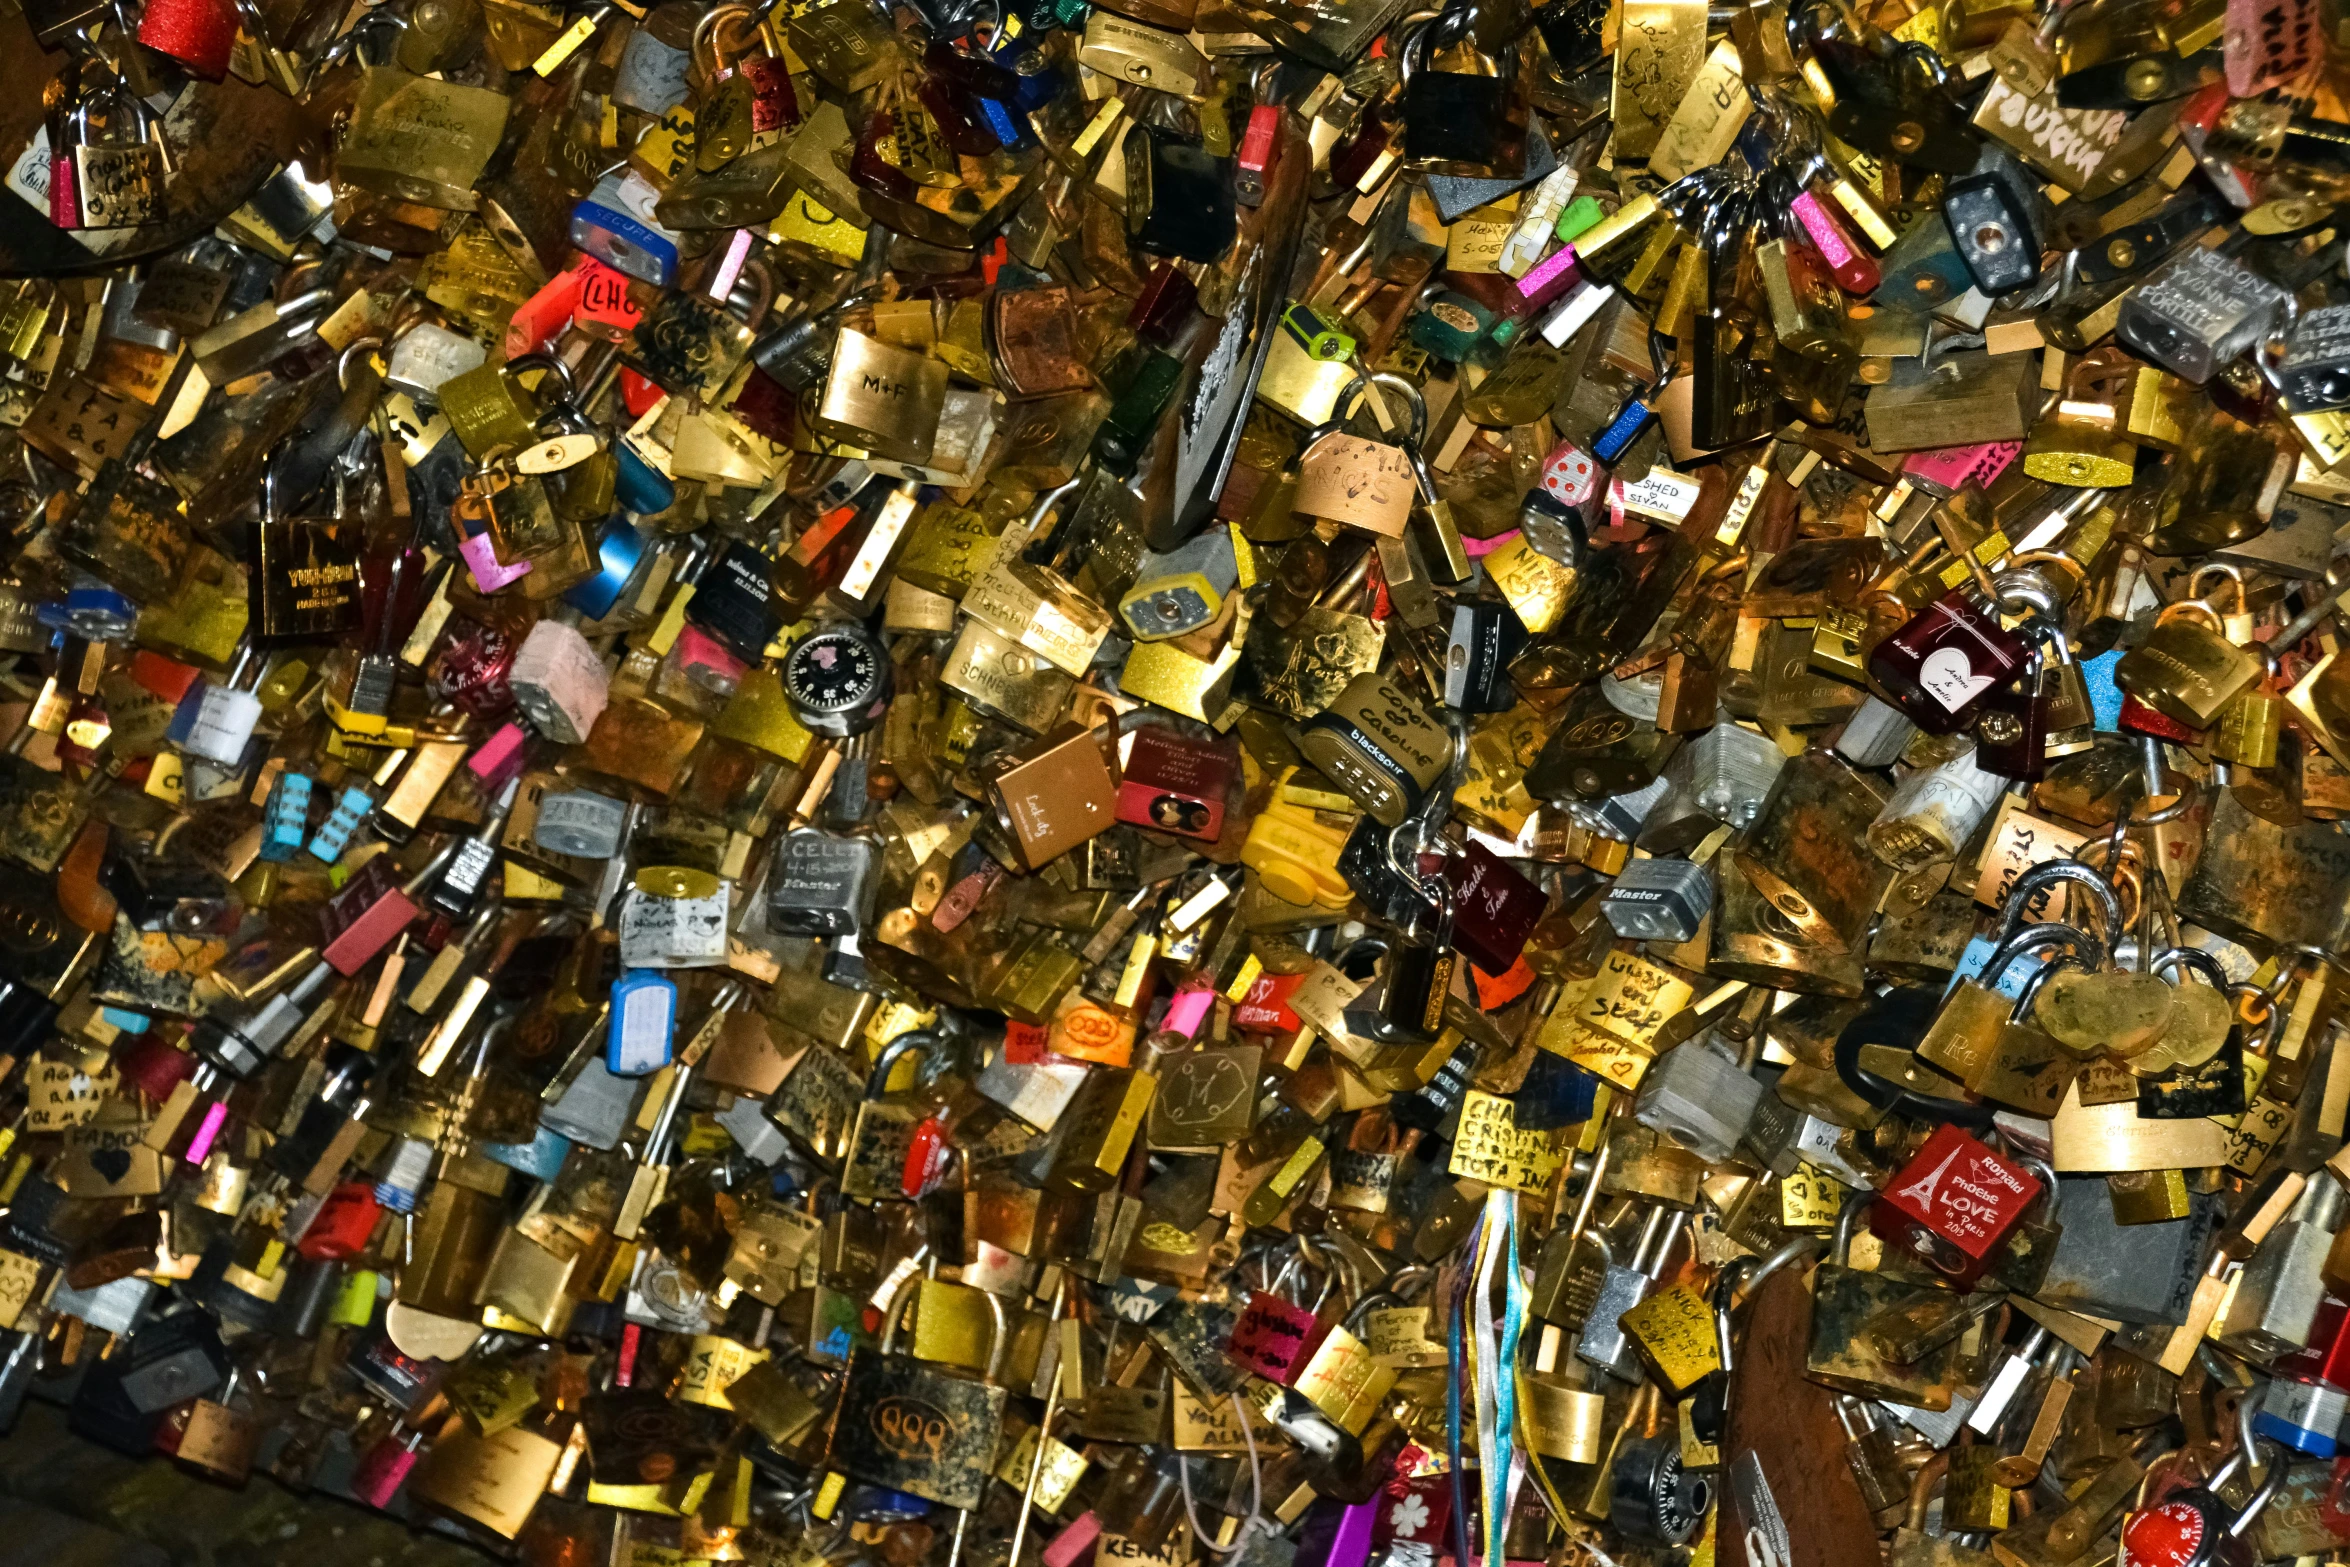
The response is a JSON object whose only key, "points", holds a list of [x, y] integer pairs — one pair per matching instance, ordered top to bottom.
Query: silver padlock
{"points": [[1875, 735], [1659, 900], [1697, 1095], [2275, 1306], [1604, 1342]]}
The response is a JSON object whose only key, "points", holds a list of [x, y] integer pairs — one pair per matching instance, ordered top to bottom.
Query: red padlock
{"points": [[199, 34], [1953, 1204], [345, 1221], [2196, 1527]]}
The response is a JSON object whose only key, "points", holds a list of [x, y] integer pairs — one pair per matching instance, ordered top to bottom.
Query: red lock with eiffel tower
{"points": [[1953, 1204]]}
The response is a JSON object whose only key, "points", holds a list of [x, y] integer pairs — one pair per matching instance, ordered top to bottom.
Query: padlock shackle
{"points": [[343, 360], [547, 362], [2049, 874], [2033, 938], [2198, 960], [2038, 979], [1900, 1018], [918, 1041], [1855, 1204], [1405, 1282], [2258, 1502]]}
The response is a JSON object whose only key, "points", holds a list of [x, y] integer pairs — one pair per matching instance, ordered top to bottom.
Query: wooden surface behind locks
{"points": [[1790, 1425]]}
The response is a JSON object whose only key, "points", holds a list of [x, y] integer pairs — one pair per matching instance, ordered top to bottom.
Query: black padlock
{"points": [[1574, 31], [1457, 122], [1179, 199], [1993, 223], [735, 601], [1485, 636], [1555, 1093], [1651, 1497]]}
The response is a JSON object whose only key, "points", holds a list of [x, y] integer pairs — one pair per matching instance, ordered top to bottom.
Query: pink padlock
{"points": [[1948, 469], [479, 550], [500, 757], [1275, 1338]]}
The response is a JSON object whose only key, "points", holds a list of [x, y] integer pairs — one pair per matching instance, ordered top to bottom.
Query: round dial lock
{"points": [[837, 680]]}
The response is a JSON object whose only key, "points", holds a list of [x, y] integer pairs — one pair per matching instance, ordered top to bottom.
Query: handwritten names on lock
{"points": [[2269, 43], [2069, 146], [120, 187], [80, 425], [1955, 467], [1363, 483], [1663, 496], [2018, 842], [673, 932], [1321, 998], [1632, 998], [60, 1095], [2256, 1136], [1490, 1147], [111, 1161], [1810, 1199], [18, 1275], [1674, 1329], [1398, 1336], [1275, 1338], [712, 1364], [1344, 1381], [1204, 1426]]}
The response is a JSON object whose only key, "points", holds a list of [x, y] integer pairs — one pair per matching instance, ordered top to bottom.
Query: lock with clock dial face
{"points": [[837, 680]]}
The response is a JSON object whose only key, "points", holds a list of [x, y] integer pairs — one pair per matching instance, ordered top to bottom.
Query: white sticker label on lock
{"points": [[1663, 496], [673, 932]]}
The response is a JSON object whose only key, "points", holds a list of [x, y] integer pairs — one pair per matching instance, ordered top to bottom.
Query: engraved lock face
{"points": [[1145, 56], [418, 139], [2197, 313], [2315, 373], [884, 399], [305, 582], [1941, 664], [997, 674], [1379, 744], [1174, 784], [1059, 793], [820, 885]]}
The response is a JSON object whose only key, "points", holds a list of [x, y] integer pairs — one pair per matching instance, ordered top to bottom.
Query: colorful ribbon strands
{"points": [[1132, 783]]}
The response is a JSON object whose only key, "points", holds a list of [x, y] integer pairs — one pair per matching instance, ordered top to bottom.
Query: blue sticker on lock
{"points": [[999, 120], [1622, 431], [2105, 693], [1978, 953], [644, 1017], [128, 1022], [541, 1158]]}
